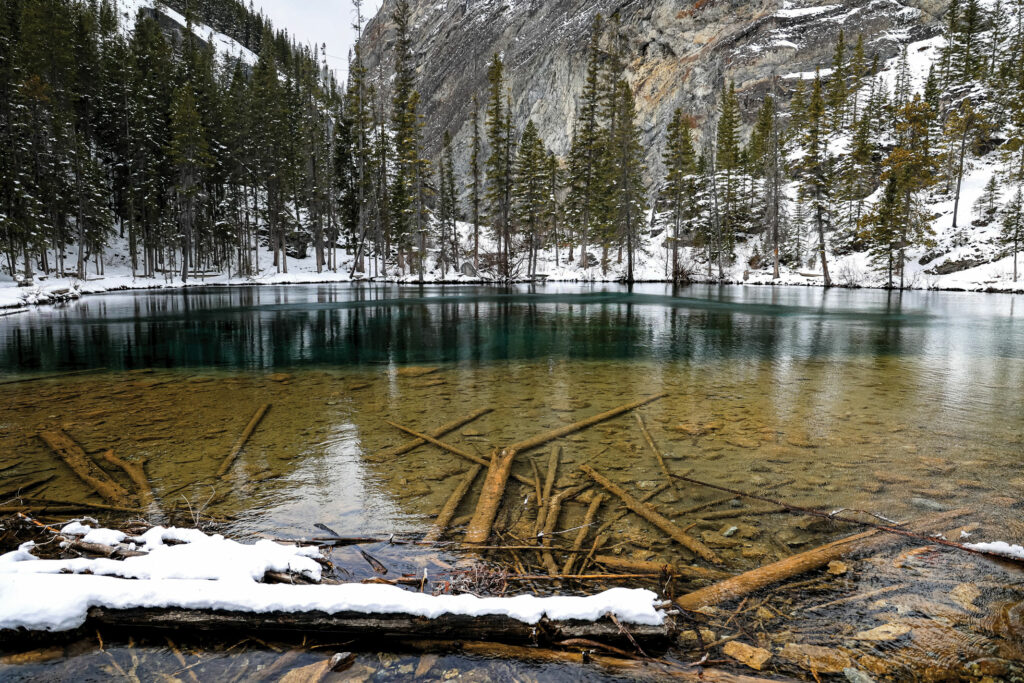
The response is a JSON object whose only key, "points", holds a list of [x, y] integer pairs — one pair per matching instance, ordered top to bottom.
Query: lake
{"points": [[897, 404]]}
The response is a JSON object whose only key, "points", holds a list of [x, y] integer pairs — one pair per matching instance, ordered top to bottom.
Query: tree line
{"points": [[196, 162]]}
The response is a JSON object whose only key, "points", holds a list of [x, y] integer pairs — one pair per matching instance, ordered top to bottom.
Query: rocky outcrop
{"points": [[679, 54]]}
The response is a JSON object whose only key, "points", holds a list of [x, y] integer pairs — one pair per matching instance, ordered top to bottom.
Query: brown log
{"points": [[57, 376], [544, 438], [240, 443], [653, 446], [395, 451], [472, 457], [86, 469], [136, 472], [549, 484], [38, 505], [451, 505], [622, 511], [653, 516], [551, 523], [479, 529], [581, 535], [100, 549], [648, 567], [756, 579], [371, 626]]}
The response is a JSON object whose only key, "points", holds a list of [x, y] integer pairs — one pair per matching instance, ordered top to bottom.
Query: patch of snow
{"points": [[796, 12], [109, 537], [999, 548], [211, 572]]}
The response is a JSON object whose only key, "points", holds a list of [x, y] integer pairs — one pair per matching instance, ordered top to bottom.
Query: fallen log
{"points": [[436, 433], [544, 438], [240, 443], [654, 448], [472, 457], [500, 467], [85, 468], [136, 472], [549, 484], [50, 502], [451, 505], [653, 516], [551, 522], [581, 535], [756, 579], [373, 626]]}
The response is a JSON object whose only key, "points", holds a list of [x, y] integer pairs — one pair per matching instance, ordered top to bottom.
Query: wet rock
{"points": [[415, 371], [279, 377], [800, 440], [928, 504], [716, 540], [837, 567], [964, 594], [688, 638], [754, 657], [817, 658], [876, 665], [989, 666], [857, 676]]}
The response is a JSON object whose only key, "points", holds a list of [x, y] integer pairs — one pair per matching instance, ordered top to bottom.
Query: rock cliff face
{"points": [[678, 54]]}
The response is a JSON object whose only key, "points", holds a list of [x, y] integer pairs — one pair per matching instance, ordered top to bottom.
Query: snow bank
{"points": [[211, 572]]}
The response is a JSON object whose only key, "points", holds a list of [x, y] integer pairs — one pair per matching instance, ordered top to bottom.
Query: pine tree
{"points": [[837, 91], [405, 134], [189, 155], [585, 156], [500, 165], [729, 166], [816, 171], [476, 186], [530, 191], [679, 191], [630, 201], [987, 205], [447, 209], [1012, 223]]}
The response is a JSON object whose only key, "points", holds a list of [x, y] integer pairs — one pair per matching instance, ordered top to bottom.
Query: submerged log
{"points": [[436, 433], [544, 438], [240, 443], [654, 447], [472, 457], [86, 469], [136, 472], [549, 484], [23, 487], [451, 505], [653, 516], [551, 522], [581, 535], [649, 567], [756, 579], [372, 626]]}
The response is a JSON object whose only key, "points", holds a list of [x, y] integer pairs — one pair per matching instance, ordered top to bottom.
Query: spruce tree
{"points": [[189, 155], [585, 156], [499, 165], [816, 171], [476, 186], [530, 191], [679, 191], [630, 200], [987, 204], [1012, 224]]}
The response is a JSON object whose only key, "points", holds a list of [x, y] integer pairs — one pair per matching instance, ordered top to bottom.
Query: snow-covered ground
{"points": [[211, 572]]}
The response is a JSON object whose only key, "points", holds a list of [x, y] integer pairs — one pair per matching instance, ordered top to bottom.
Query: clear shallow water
{"points": [[897, 404]]}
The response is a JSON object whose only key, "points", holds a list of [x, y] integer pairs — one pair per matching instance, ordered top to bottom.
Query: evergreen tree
{"points": [[837, 91], [189, 155], [500, 165], [728, 166], [816, 172], [476, 186], [680, 187], [530, 191], [585, 192], [630, 201], [987, 205], [447, 209], [1012, 223]]}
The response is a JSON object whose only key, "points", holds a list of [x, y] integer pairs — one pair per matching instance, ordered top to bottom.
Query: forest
{"points": [[145, 137]]}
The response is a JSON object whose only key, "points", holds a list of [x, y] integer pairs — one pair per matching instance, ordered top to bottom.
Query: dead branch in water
{"points": [[435, 433], [240, 443], [86, 469], [136, 472], [452, 504], [653, 516]]}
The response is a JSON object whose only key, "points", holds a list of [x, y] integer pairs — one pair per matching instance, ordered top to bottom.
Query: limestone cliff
{"points": [[679, 54]]}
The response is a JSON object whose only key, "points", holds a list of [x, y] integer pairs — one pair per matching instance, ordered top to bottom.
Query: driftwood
{"points": [[436, 433], [240, 443], [654, 448], [472, 457], [501, 467], [86, 469], [136, 472], [549, 484], [73, 504], [451, 505], [653, 516], [551, 522], [581, 535], [648, 567], [756, 579], [371, 626]]}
